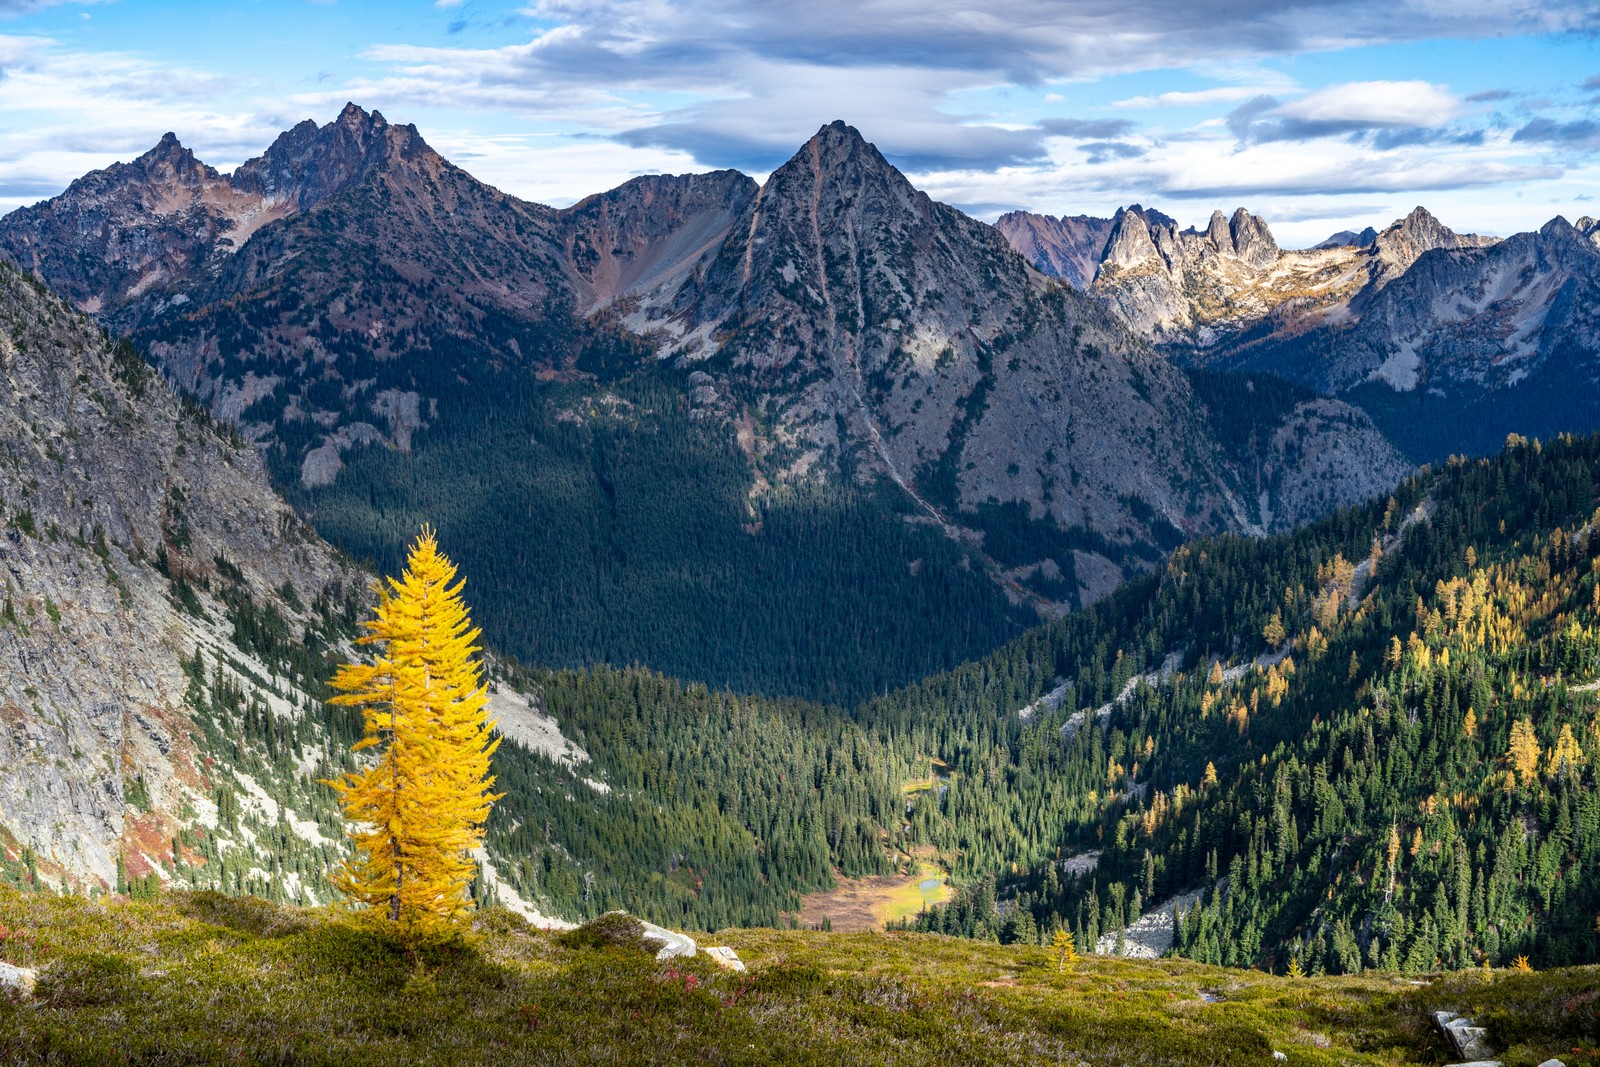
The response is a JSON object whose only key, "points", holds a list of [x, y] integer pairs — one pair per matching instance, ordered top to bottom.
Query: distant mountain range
{"points": [[350, 297], [1450, 341]]}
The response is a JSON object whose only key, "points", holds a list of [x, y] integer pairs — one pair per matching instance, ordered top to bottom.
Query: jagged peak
{"points": [[354, 115], [839, 141], [168, 149], [836, 152], [169, 158], [310, 161], [1148, 215], [1141, 220], [1421, 223], [1560, 227], [1252, 238], [1404, 240], [1131, 241]]}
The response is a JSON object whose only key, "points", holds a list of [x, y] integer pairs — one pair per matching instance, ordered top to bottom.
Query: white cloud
{"points": [[1225, 94], [1375, 104]]}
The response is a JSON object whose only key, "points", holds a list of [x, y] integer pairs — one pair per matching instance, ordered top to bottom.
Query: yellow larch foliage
{"points": [[1272, 632], [1417, 653], [1395, 655], [1277, 686], [1470, 723], [1524, 753], [1567, 756], [1115, 771], [1209, 779], [417, 813], [1416, 842], [1065, 949]]}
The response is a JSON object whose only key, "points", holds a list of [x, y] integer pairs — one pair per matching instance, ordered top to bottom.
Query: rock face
{"points": [[649, 233], [1069, 248], [341, 266], [1203, 289], [872, 323], [1465, 345], [112, 494], [161, 605], [1467, 1040]]}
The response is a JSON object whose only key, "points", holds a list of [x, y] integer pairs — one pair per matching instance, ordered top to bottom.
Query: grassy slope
{"points": [[210, 979]]}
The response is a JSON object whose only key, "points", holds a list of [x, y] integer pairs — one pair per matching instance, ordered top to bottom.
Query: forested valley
{"points": [[612, 526], [1372, 745]]}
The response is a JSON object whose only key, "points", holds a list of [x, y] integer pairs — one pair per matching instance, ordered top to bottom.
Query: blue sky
{"points": [[1317, 114]]}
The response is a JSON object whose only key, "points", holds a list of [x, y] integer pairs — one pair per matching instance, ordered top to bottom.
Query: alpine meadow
{"points": [[1065, 563]]}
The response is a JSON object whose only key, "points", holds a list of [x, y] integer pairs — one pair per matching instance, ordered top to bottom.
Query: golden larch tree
{"points": [[1524, 752], [1567, 757], [418, 811]]}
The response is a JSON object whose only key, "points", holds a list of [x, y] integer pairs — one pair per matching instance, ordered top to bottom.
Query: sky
{"points": [[1319, 115]]}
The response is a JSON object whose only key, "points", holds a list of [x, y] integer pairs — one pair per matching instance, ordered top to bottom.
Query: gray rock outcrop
{"points": [[111, 494], [19, 981], [1466, 1039]]}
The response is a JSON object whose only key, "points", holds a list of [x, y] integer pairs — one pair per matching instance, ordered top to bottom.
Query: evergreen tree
{"points": [[417, 813]]}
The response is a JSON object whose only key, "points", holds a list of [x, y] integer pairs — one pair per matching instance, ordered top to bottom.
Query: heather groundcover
{"points": [[202, 978]]}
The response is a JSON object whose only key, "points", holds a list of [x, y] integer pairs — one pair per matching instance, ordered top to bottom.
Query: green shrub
{"points": [[611, 930]]}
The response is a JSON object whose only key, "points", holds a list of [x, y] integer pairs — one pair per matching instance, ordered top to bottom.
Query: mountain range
{"points": [[351, 297], [1449, 341]]}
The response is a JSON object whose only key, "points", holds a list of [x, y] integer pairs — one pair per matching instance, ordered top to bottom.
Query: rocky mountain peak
{"points": [[354, 117], [168, 150], [839, 155], [310, 162], [166, 168], [1422, 225], [1558, 227], [1589, 227], [1217, 231], [1252, 240], [1404, 240], [1131, 241]]}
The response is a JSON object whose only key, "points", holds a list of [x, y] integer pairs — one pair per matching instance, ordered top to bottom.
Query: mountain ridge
{"points": [[842, 331]]}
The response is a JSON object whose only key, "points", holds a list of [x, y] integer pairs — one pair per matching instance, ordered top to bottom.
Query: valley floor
{"points": [[855, 905], [201, 978]]}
